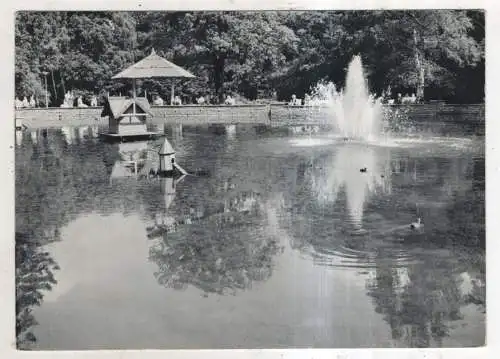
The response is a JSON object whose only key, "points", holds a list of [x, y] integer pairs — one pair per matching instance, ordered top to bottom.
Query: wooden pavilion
{"points": [[128, 116]]}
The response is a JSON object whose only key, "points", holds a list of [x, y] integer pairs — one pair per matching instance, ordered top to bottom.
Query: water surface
{"points": [[282, 243]]}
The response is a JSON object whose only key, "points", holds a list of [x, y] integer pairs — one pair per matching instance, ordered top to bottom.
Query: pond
{"points": [[283, 242]]}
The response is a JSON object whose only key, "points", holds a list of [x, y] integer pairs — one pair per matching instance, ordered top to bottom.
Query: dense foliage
{"points": [[253, 54]]}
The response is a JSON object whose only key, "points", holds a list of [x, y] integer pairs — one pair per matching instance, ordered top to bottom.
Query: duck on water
{"points": [[417, 225]]}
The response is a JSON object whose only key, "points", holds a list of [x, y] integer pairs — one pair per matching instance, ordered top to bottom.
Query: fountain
{"points": [[355, 113], [357, 116], [361, 164]]}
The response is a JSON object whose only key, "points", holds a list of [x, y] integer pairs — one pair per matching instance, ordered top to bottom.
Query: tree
{"points": [[40, 45], [424, 48], [234, 49], [402, 49], [80, 50], [253, 53]]}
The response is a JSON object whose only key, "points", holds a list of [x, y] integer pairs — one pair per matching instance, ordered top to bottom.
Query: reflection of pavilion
{"points": [[132, 159]]}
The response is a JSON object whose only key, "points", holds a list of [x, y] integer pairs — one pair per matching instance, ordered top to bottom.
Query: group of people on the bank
{"points": [[70, 100], [201, 100], [399, 100], [158, 101], [25, 103]]}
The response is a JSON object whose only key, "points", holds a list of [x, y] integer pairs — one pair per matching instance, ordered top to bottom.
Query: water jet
{"points": [[353, 111]]}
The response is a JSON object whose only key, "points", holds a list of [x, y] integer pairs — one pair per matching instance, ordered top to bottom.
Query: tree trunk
{"points": [[419, 69], [219, 78], [62, 83], [53, 85]]}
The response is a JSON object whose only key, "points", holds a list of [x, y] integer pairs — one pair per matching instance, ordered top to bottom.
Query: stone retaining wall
{"points": [[418, 112], [252, 114], [192, 115], [56, 117]]}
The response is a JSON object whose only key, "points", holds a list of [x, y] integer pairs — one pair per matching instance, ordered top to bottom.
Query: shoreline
{"points": [[255, 114]]}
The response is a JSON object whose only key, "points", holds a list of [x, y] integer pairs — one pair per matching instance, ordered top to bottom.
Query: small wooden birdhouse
{"points": [[127, 116], [167, 157]]}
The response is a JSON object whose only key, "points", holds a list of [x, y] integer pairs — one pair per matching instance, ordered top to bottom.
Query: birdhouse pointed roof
{"points": [[153, 66], [116, 106], [166, 148]]}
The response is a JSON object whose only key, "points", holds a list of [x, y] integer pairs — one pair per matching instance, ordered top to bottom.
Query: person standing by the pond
{"points": [[68, 99], [200, 100], [229, 100], [307, 100], [158, 101], [177, 101], [295, 101], [80, 102], [19, 103]]}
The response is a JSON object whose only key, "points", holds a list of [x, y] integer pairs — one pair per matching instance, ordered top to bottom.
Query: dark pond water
{"points": [[282, 243]]}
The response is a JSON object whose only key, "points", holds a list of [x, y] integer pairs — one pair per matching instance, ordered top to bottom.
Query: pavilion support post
{"points": [[172, 94], [134, 95]]}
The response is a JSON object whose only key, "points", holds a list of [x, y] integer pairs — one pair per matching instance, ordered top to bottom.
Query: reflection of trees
{"points": [[60, 180], [54, 183], [41, 201], [185, 212], [466, 213], [468, 219], [216, 237], [222, 252], [34, 274], [419, 295], [477, 295], [424, 307], [420, 308]]}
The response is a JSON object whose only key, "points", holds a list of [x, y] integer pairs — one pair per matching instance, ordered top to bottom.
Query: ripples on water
{"points": [[279, 219]]}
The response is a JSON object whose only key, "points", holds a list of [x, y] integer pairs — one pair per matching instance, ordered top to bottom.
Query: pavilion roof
{"points": [[153, 66]]}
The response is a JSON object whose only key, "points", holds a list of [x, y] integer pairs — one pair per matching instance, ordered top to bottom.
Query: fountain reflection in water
{"points": [[354, 112], [344, 173]]}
